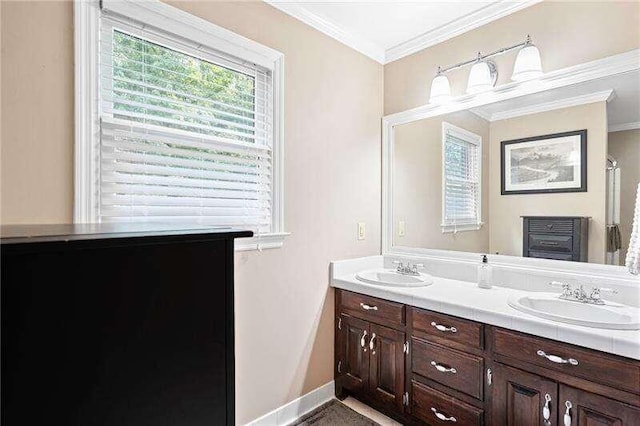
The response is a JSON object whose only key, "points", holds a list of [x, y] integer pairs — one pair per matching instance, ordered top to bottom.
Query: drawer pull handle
{"points": [[368, 307], [441, 327], [363, 341], [372, 344], [557, 359], [441, 368], [546, 410], [567, 414], [443, 417]]}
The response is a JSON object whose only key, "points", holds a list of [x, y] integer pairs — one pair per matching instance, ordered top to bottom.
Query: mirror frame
{"points": [[588, 71]]}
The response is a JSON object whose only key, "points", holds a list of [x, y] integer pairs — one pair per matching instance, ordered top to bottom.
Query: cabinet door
{"points": [[355, 365], [386, 376], [519, 398], [587, 409]]}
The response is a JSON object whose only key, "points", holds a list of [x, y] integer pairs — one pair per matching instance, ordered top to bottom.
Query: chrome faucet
{"points": [[408, 269], [580, 295]]}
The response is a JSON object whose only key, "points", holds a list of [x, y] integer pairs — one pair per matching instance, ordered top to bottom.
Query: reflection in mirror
{"points": [[549, 175]]}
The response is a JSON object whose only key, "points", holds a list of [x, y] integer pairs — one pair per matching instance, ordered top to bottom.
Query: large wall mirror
{"points": [[551, 174]]}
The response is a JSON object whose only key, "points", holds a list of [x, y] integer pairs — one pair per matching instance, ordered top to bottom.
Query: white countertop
{"points": [[464, 299]]}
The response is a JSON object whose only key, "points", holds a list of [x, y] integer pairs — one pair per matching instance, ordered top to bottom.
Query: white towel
{"points": [[633, 253]]}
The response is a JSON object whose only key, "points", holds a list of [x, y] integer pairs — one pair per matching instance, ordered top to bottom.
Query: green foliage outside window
{"points": [[158, 85]]}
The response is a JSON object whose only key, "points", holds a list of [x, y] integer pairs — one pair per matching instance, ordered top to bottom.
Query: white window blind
{"points": [[185, 132], [461, 179]]}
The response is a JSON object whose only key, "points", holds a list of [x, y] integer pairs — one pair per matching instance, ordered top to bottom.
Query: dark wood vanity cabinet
{"points": [[117, 325], [371, 357], [353, 364], [451, 370], [519, 398], [589, 409]]}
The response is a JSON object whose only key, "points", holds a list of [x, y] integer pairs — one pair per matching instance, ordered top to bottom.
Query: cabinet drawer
{"points": [[556, 226], [555, 243], [550, 255], [372, 308], [448, 329], [590, 365], [455, 369], [437, 408]]}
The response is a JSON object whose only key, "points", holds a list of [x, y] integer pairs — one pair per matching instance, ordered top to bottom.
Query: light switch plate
{"points": [[401, 229], [361, 230]]}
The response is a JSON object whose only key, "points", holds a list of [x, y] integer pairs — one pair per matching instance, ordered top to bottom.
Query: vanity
{"points": [[530, 176], [450, 353]]}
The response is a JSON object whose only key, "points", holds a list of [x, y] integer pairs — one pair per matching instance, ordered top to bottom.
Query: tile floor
{"points": [[369, 412]]}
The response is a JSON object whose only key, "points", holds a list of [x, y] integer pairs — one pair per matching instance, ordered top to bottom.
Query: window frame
{"points": [[183, 26], [474, 139]]}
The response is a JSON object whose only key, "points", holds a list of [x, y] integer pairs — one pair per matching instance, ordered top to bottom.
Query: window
{"points": [[186, 131], [461, 179]]}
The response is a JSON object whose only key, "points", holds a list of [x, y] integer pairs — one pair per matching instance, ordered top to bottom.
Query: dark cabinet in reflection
{"points": [[556, 237]]}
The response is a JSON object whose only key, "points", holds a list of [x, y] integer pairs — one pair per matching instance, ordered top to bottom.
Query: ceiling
{"points": [[390, 30]]}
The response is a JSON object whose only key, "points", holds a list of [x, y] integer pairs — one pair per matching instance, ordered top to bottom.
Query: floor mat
{"points": [[334, 413]]}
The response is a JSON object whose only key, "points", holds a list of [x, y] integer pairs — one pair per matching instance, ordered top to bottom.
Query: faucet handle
{"points": [[566, 287], [595, 291], [595, 294]]}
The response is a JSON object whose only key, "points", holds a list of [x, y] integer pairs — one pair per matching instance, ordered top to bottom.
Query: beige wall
{"points": [[567, 33], [37, 113], [625, 148], [417, 184], [505, 212], [284, 307]]}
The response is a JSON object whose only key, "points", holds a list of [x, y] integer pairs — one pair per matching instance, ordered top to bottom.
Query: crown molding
{"points": [[487, 14], [456, 27], [355, 42], [605, 95], [481, 113], [624, 126]]}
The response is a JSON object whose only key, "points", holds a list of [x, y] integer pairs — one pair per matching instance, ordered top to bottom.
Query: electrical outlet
{"points": [[401, 229], [361, 230]]}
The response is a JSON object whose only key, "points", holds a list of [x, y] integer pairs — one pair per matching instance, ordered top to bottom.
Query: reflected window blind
{"points": [[186, 135], [461, 181]]}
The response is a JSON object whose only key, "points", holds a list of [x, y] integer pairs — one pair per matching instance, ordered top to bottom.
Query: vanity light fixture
{"points": [[528, 64], [484, 74], [482, 77], [440, 89]]}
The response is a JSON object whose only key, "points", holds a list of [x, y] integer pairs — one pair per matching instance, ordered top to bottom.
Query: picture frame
{"points": [[544, 164]]}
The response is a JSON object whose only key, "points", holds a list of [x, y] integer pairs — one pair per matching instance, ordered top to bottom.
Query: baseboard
{"points": [[292, 411]]}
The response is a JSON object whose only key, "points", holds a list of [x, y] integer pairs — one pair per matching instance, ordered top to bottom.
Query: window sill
{"points": [[461, 227], [261, 242]]}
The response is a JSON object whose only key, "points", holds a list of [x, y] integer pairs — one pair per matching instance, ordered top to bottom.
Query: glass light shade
{"points": [[528, 64], [480, 79], [440, 90]]}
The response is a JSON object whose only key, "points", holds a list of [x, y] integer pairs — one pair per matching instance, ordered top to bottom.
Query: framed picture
{"points": [[544, 164]]}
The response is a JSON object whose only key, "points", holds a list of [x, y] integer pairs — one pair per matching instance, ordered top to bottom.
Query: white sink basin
{"points": [[389, 277], [610, 315]]}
